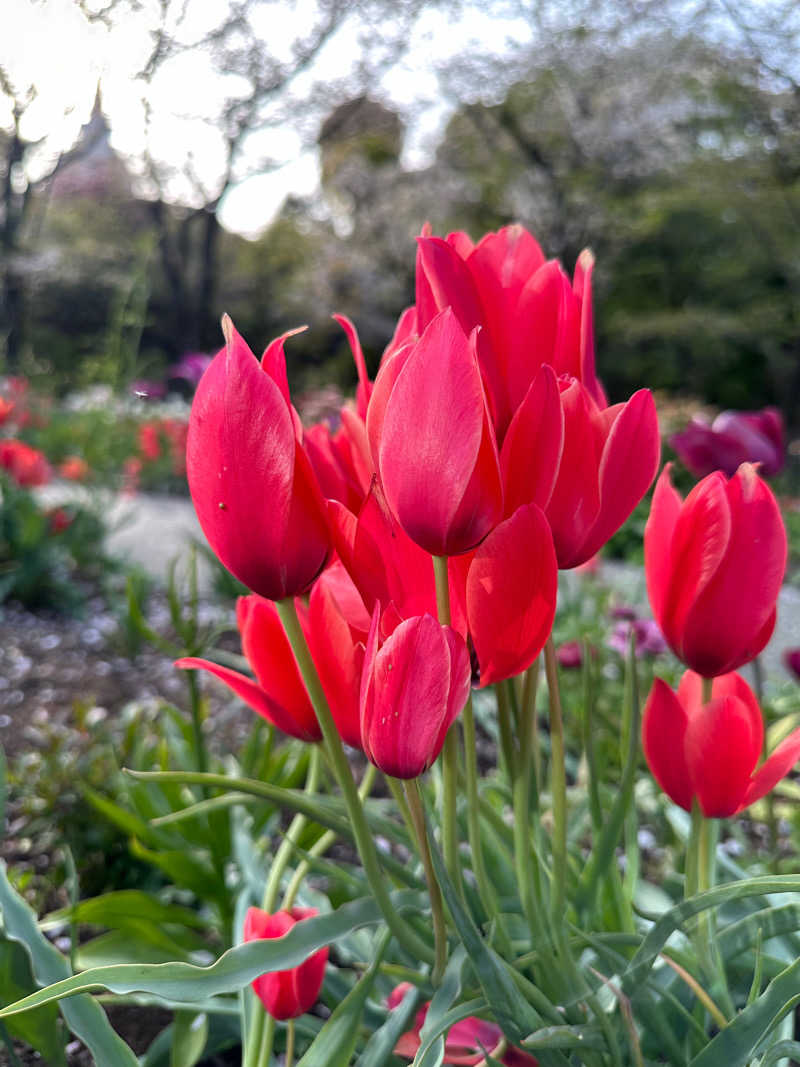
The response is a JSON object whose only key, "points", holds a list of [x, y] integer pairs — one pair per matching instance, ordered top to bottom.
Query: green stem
{"points": [[530, 688], [196, 706], [506, 732], [450, 747], [558, 787], [321, 846], [527, 875], [485, 889], [437, 908], [413, 944], [262, 1033], [288, 1060]]}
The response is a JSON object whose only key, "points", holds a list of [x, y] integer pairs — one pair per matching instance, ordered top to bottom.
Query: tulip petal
{"points": [[582, 287], [364, 389], [533, 445], [437, 460], [627, 468], [575, 501], [658, 534], [745, 586], [511, 594], [338, 660], [292, 723], [664, 725], [720, 754], [777, 766]]}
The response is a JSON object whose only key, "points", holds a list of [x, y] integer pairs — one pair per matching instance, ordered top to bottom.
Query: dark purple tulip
{"points": [[191, 367], [734, 437], [648, 639], [791, 657]]}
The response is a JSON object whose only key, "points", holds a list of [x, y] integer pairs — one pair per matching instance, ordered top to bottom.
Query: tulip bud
{"points": [[251, 482], [714, 565], [412, 689], [708, 752], [286, 994]]}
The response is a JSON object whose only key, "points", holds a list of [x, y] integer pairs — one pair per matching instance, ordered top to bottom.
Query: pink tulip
{"points": [[733, 438]]}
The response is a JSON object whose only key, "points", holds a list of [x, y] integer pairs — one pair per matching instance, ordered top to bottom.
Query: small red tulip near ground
{"points": [[433, 441], [26, 466], [73, 468], [252, 485], [714, 565], [412, 689], [709, 752], [286, 994], [466, 1043]]}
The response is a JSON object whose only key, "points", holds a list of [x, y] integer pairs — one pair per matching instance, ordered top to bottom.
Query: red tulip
{"points": [[529, 311], [733, 438], [433, 441], [609, 460], [26, 466], [253, 487], [714, 565], [336, 644], [412, 688], [709, 752], [286, 994], [467, 1042]]}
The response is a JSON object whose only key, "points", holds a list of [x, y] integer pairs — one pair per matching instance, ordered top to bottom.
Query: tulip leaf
{"points": [[124, 905], [672, 920], [767, 923], [236, 968], [514, 1015], [83, 1016], [189, 1036], [337, 1039], [739, 1041], [381, 1044], [431, 1049], [783, 1050]]}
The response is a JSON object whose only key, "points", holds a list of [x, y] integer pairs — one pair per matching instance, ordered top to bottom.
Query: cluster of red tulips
{"points": [[412, 551]]}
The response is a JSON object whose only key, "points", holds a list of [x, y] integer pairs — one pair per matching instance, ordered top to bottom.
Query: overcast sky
{"points": [[49, 44]]}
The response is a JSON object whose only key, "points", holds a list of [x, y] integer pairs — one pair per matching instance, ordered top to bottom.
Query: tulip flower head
{"points": [[733, 438], [433, 441], [252, 485], [714, 565], [335, 626], [412, 689], [709, 752], [286, 994]]}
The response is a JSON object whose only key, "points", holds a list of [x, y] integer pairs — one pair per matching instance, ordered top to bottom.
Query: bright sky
{"points": [[48, 43]]}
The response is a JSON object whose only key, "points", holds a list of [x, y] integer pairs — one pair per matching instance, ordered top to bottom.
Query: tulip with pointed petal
{"points": [[251, 482], [714, 564], [709, 752], [286, 994]]}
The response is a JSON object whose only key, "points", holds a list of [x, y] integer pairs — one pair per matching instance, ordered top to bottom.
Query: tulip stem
{"points": [[450, 747], [558, 787], [417, 815], [292, 836], [324, 843], [527, 874], [485, 888], [410, 941], [288, 1060]]}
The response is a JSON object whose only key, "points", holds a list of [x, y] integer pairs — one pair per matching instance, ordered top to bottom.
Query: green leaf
{"points": [[112, 909], [672, 920], [235, 969], [514, 1015], [83, 1016], [41, 1029], [189, 1035], [588, 1036], [337, 1039], [738, 1042], [381, 1045], [431, 1049], [784, 1050]]}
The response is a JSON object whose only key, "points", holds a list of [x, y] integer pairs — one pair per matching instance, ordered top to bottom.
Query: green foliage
{"points": [[46, 552]]}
